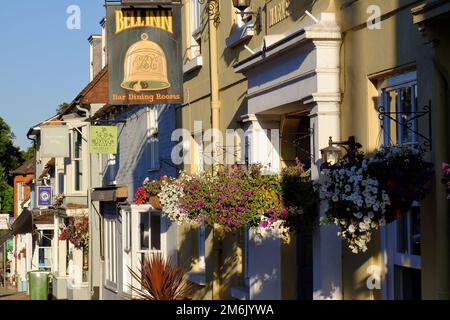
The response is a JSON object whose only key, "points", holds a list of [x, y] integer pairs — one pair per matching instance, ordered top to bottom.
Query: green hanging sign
{"points": [[103, 140]]}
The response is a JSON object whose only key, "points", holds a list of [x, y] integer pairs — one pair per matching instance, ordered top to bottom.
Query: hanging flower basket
{"points": [[403, 173], [148, 192], [366, 192], [155, 203], [77, 232]]}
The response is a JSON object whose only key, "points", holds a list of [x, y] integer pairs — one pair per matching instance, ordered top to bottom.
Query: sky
{"points": [[43, 63]]}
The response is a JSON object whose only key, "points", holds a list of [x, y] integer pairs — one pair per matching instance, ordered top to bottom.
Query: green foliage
{"points": [[61, 107], [10, 155], [27, 155], [10, 159], [300, 197], [6, 198]]}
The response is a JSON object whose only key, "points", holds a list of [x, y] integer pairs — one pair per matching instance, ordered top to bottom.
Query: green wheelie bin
{"points": [[38, 285]]}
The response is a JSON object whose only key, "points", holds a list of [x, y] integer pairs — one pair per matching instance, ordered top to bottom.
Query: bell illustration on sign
{"points": [[145, 67]]}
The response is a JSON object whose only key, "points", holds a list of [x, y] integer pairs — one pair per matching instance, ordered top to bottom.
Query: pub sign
{"points": [[144, 55]]}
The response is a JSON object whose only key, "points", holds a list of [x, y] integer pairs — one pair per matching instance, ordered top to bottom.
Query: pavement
{"points": [[12, 294]]}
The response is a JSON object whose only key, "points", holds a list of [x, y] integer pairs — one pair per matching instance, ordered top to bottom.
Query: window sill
{"points": [[240, 35], [193, 64], [197, 277], [111, 288], [240, 293]]}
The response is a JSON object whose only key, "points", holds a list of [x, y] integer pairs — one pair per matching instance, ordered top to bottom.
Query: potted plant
{"points": [[58, 201], [158, 279]]}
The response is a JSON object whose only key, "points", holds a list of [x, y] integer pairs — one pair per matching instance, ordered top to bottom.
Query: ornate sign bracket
{"points": [[212, 9], [407, 120]]}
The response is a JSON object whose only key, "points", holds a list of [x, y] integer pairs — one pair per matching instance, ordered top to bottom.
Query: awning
{"points": [[109, 194], [44, 216], [23, 223]]}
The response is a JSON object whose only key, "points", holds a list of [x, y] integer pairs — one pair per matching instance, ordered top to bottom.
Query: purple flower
{"points": [[200, 203], [228, 221], [264, 224]]}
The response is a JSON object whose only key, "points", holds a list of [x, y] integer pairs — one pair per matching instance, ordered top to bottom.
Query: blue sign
{"points": [[44, 196]]}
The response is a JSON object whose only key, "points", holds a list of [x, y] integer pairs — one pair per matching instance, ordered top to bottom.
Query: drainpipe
{"points": [[215, 98], [215, 125], [90, 216]]}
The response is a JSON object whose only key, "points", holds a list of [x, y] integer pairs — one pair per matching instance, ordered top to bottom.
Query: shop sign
{"points": [[103, 140], [44, 196]]}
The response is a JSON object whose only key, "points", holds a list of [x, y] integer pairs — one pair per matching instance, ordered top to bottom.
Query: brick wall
{"points": [[17, 180]]}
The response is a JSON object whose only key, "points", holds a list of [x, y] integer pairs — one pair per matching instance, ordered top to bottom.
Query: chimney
{"points": [[95, 42]]}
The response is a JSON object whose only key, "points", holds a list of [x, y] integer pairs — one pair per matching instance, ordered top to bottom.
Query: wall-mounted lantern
{"points": [[332, 154]]}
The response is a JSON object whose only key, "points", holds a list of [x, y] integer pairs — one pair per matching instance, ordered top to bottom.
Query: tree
{"points": [[61, 107], [10, 155], [27, 155], [10, 158], [6, 198]]}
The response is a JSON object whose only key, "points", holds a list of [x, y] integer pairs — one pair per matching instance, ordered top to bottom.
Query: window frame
{"points": [[195, 29], [397, 83], [77, 132], [20, 196], [111, 254], [392, 258]]}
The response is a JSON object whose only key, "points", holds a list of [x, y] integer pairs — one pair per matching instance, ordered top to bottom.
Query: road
{"points": [[12, 294]]}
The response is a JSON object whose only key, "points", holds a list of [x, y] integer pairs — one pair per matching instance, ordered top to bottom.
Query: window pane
{"points": [[405, 106], [78, 144], [78, 175], [61, 182], [415, 230], [156, 231], [145, 232], [402, 234], [46, 238], [408, 284]]}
